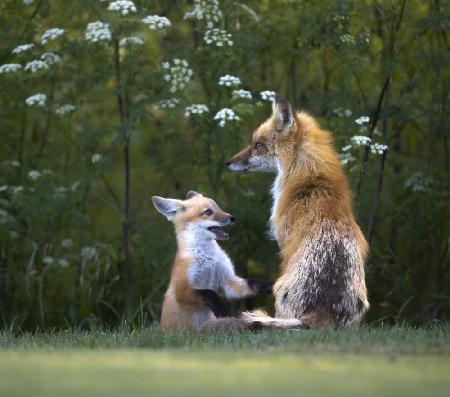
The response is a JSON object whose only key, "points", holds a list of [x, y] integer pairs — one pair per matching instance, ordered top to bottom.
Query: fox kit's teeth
{"points": [[219, 233]]}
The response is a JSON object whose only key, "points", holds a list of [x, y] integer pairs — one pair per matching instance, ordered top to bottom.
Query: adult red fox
{"points": [[323, 251], [202, 270]]}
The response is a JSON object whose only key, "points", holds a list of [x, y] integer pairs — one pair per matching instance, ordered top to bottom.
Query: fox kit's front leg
{"points": [[237, 287], [214, 302]]}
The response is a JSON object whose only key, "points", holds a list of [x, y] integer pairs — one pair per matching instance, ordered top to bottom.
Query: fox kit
{"points": [[323, 251], [202, 270]]}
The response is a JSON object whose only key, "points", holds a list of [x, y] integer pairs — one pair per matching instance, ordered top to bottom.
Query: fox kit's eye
{"points": [[259, 145], [208, 212]]}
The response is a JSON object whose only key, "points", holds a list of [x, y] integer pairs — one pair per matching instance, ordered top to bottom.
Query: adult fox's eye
{"points": [[259, 145], [208, 212]]}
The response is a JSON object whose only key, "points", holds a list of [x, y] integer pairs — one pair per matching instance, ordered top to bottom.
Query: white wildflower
{"points": [[27, 2], [123, 6], [208, 10], [155, 22], [97, 31], [51, 34], [218, 37], [347, 39], [131, 40], [22, 48], [50, 58], [36, 65], [10, 68], [178, 74], [229, 80], [244, 94], [268, 95], [37, 99], [167, 103], [64, 109], [196, 109], [341, 112], [225, 115], [362, 120], [361, 140], [378, 148], [96, 158], [346, 158], [15, 163], [34, 175], [418, 182], [3, 188], [17, 189], [67, 243], [88, 253], [48, 260], [63, 262]]}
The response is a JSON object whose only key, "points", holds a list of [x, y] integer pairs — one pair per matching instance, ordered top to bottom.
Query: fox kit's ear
{"points": [[282, 113], [191, 194], [168, 207]]}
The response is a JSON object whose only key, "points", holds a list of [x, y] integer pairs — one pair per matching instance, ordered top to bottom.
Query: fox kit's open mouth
{"points": [[219, 232]]}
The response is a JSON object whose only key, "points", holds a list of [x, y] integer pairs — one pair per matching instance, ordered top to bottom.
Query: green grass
{"points": [[367, 361]]}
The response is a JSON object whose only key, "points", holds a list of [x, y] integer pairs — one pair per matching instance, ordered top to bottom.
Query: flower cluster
{"points": [[123, 6], [209, 10], [155, 22], [97, 31], [51, 34], [218, 37], [347, 39], [131, 40], [22, 48], [50, 58], [36, 65], [10, 67], [178, 74], [229, 80], [244, 94], [268, 95], [37, 99], [167, 103], [64, 109], [196, 109], [342, 112], [225, 115], [362, 120], [361, 140], [378, 148], [96, 158], [346, 158], [34, 175], [418, 183], [67, 243], [88, 253], [49, 260]]}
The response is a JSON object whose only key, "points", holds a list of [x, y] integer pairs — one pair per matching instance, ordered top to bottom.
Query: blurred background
{"points": [[104, 104]]}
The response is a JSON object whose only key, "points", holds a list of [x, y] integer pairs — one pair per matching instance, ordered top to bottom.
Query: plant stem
{"points": [[126, 204]]}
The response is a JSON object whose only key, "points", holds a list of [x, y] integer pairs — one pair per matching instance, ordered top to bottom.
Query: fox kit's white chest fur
{"points": [[276, 194], [211, 267]]}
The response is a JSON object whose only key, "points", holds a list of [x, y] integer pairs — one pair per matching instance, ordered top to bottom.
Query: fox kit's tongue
{"points": [[219, 232]]}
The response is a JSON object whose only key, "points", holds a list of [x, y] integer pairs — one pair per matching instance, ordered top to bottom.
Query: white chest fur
{"points": [[276, 194], [211, 267]]}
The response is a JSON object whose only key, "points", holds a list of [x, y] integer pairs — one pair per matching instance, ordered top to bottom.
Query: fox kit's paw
{"points": [[260, 287]]}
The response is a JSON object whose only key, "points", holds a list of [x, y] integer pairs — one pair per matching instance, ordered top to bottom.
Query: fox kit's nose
{"points": [[228, 163], [232, 219]]}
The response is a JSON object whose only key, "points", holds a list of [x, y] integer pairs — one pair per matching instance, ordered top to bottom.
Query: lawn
{"points": [[361, 362]]}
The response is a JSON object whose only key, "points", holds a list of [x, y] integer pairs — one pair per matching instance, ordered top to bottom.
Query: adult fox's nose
{"points": [[228, 163], [232, 219]]}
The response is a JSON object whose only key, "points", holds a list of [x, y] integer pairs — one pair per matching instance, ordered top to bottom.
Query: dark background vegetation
{"points": [[388, 60]]}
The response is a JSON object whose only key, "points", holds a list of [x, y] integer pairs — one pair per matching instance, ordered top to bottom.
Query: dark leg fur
{"points": [[261, 287], [214, 302]]}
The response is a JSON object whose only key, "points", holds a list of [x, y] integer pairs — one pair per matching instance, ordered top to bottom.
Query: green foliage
{"points": [[74, 251]]}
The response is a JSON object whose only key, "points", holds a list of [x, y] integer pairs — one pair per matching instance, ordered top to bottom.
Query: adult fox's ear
{"points": [[282, 113], [191, 194], [168, 207]]}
